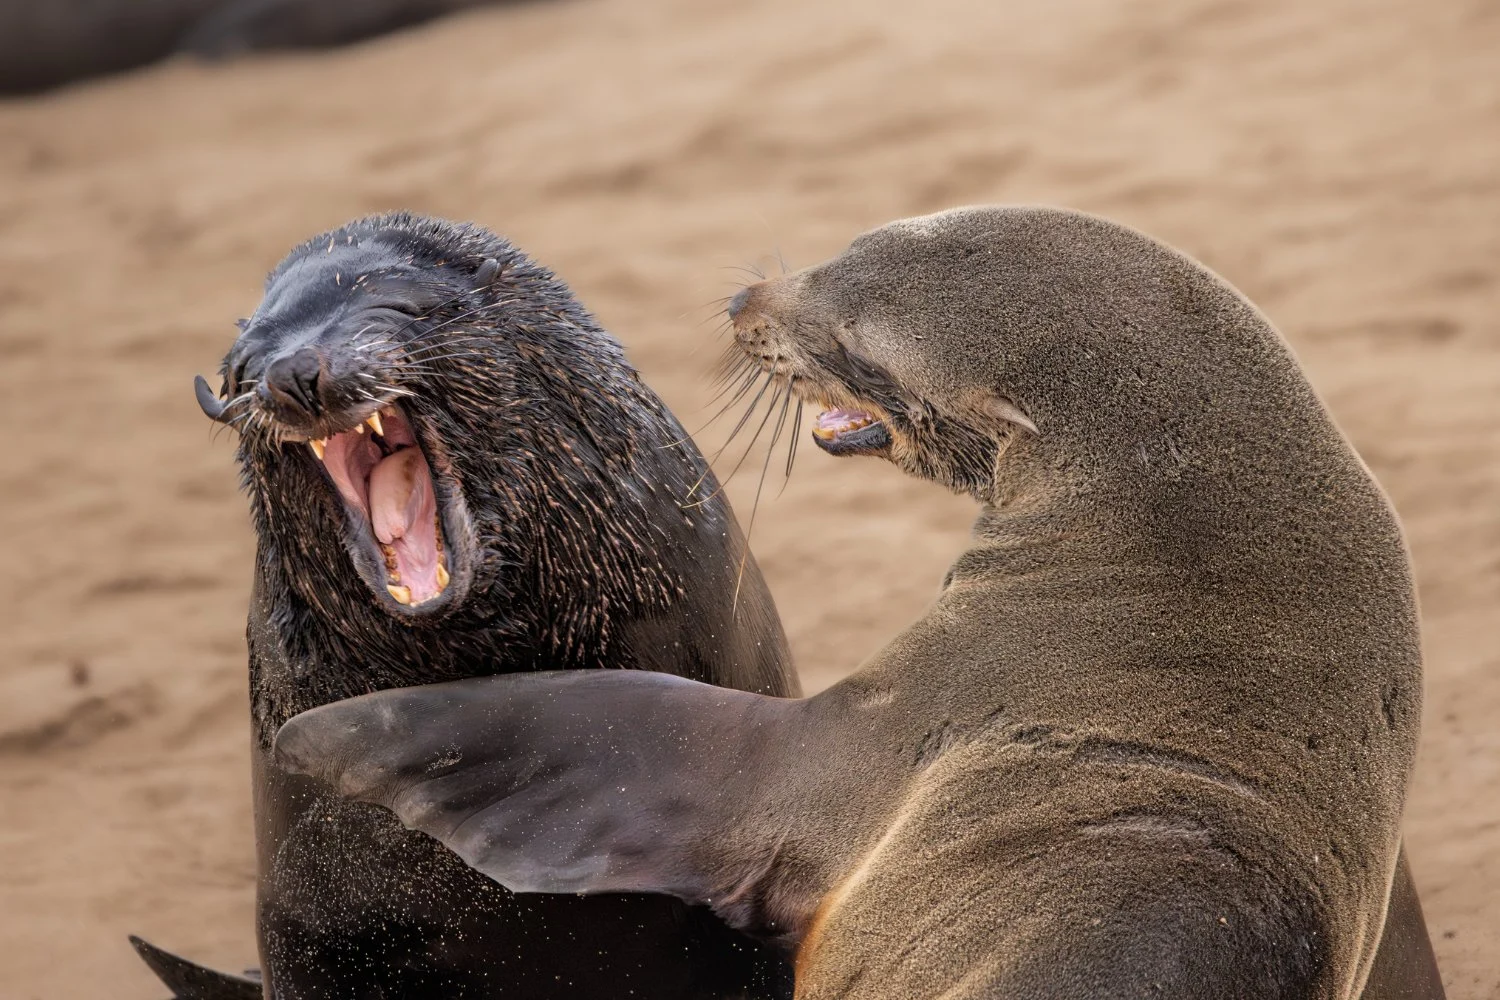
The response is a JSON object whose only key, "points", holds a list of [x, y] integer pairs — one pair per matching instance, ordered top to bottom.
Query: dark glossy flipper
{"points": [[580, 782], [1405, 968], [188, 981]]}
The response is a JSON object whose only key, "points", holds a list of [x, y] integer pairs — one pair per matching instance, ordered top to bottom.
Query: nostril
{"points": [[738, 302], [293, 380]]}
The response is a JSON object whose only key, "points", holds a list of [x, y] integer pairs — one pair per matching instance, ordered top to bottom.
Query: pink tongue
{"points": [[402, 512]]}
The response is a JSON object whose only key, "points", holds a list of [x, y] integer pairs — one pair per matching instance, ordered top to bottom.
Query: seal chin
{"points": [[851, 432], [395, 509]]}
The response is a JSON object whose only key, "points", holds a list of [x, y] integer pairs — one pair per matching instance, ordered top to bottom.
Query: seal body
{"points": [[452, 472], [1153, 736]]}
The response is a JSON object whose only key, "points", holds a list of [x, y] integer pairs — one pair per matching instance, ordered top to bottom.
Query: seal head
{"points": [[335, 359], [435, 436]]}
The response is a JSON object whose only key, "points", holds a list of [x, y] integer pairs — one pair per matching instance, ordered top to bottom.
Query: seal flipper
{"points": [[574, 781], [1405, 968], [190, 981]]}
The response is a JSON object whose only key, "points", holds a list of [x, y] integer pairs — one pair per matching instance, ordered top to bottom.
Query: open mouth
{"points": [[850, 432], [382, 473]]}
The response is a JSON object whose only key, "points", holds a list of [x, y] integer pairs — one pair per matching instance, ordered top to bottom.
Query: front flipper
{"points": [[583, 782], [190, 981]]}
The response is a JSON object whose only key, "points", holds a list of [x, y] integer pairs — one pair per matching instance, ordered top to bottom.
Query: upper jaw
{"points": [[317, 440]]}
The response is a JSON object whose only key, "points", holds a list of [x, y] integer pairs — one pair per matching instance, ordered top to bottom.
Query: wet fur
{"points": [[571, 480], [580, 554], [1152, 738]]}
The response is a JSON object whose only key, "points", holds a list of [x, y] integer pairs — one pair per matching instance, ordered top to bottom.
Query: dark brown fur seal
{"points": [[47, 43], [453, 471], [1152, 738]]}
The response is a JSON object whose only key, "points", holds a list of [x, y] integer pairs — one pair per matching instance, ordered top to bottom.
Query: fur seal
{"points": [[47, 44], [453, 471], [1152, 738]]}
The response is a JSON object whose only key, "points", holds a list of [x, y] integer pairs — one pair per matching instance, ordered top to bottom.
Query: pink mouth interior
{"points": [[832, 423], [387, 478]]}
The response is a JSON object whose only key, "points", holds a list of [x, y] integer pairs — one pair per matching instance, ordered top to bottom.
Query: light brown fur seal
{"points": [[1152, 738]]}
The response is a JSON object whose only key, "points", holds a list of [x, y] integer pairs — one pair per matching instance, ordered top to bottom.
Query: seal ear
{"points": [[488, 272], [1001, 408], [580, 781]]}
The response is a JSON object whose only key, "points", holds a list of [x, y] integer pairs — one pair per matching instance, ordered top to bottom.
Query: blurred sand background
{"points": [[1338, 161]]}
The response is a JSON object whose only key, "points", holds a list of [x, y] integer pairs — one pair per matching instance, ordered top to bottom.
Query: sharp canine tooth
{"points": [[374, 421], [317, 446], [442, 576], [401, 594]]}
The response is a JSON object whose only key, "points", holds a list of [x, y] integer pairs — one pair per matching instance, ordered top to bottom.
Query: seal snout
{"points": [[737, 304], [751, 324], [325, 374], [292, 380], [310, 389], [839, 430]]}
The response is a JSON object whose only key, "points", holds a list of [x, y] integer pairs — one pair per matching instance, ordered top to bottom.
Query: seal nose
{"points": [[738, 302], [292, 380]]}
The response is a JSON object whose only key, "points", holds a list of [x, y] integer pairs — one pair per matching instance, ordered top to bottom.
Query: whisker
{"points": [[749, 269], [714, 307], [427, 313], [436, 327], [415, 344], [416, 347], [450, 356], [731, 367], [730, 377], [735, 392], [739, 393], [786, 399], [749, 412], [760, 429], [791, 448], [708, 467]]}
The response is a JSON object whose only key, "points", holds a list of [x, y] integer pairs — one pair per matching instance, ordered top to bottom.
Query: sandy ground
{"points": [[1338, 161]]}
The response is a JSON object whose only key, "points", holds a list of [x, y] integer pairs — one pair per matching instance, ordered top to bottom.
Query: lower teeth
{"points": [[393, 583]]}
